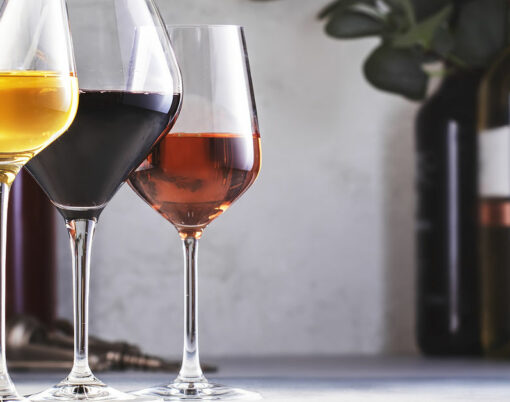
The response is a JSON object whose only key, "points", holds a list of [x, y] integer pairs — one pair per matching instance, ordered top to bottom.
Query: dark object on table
{"points": [[494, 208], [31, 249], [448, 312], [32, 346]]}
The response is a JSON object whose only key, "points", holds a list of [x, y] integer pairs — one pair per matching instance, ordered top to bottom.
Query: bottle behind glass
{"points": [[494, 189], [446, 221], [31, 249]]}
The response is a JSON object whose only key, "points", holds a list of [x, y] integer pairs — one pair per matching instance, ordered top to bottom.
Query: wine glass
{"points": [[130, 91], [38, 102], [199, 169]]}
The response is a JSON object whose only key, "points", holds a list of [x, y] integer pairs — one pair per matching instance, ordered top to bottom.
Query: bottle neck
{"points": [[462, 81]]}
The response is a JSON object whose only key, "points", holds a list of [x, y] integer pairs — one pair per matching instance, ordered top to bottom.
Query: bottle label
{"points": [[494, 162]]}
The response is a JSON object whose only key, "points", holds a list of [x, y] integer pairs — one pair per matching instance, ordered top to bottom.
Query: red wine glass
{"points": [[130, 91]]}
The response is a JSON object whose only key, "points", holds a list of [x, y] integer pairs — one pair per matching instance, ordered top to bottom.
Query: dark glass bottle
{"points": [[494, 158], [31, 259], [448, 310]]}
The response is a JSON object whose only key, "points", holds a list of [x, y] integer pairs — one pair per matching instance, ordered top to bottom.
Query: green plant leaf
{"points": [[343, 4], [406, 6], [330, 8], [424, 9], [398, 22], [349, 23], [480, 32], [423, 33], [443, 42], [398, 71]]}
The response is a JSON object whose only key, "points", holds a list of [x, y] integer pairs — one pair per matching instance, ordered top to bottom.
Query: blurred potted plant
{"points": [[461, 34], [457, 40]]}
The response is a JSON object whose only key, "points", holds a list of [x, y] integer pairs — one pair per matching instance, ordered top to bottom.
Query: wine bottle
{"points": [[494, 189], [446, 222], [31, 252]]}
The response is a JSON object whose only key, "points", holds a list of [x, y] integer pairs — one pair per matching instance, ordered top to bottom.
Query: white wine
{"points": [[36, 107]]}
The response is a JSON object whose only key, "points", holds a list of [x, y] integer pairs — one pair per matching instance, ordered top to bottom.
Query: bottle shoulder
{"points": [[501, 64], [494, 94], [455, 99]]}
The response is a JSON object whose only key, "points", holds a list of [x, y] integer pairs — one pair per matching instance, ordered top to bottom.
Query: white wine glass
{"points": [[38, 102]]}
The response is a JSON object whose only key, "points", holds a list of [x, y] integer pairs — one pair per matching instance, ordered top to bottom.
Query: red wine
{"points": [[111, 135], [191, 179]]}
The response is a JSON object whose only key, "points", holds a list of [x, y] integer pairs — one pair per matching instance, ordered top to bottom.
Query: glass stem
{"points": [[4, 203], [81, 232], [190, 369]]}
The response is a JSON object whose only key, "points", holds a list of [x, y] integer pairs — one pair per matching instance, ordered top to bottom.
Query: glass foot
{"points": [[7, 390], [88, 391], [197, 391], [7, 395]]}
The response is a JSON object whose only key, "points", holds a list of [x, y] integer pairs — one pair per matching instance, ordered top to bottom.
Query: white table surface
{"points": [[332, 379]]}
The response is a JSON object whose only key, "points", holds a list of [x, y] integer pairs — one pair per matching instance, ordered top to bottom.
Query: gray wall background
{"points": [[317, 257]]}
